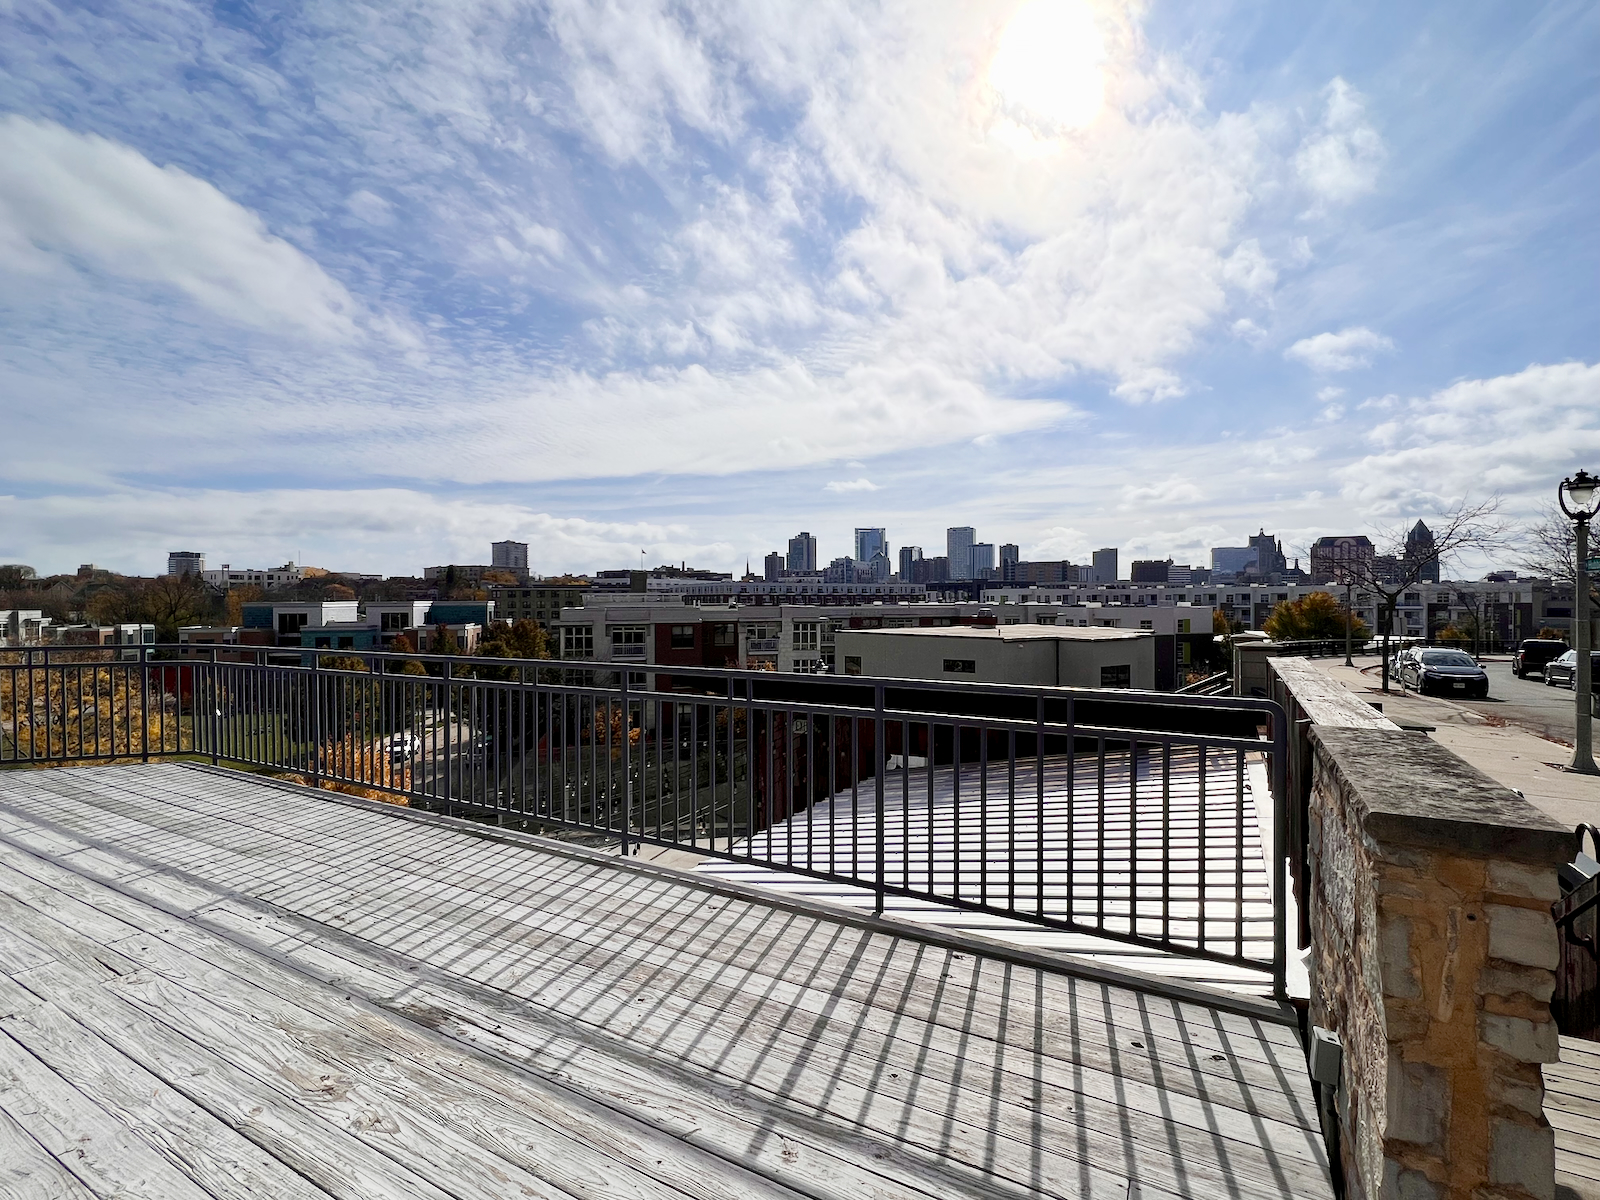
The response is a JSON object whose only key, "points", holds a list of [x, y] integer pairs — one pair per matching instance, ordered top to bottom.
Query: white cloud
{"points": [[1340, 159], [79, 200], [1343, 351], [1329, 393], [1480, 436], [850, 485], [388, 530]]}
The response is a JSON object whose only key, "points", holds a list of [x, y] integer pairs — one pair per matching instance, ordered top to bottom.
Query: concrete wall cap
{"points": [[1412, 791]]}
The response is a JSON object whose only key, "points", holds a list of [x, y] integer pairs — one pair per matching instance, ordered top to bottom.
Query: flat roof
{"points": [[1016, 633]]}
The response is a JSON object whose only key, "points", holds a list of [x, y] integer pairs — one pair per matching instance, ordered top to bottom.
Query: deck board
{"points": [[527, 1017], [1572, 1106]]}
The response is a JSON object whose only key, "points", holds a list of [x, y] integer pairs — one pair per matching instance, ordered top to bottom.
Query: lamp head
{"points": [[1580, 489]]}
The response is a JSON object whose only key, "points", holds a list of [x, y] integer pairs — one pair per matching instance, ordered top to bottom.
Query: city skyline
{"points": [[672, 284]]}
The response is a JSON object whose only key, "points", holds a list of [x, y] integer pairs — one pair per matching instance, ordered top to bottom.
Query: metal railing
{"points": [[1129, 816]]}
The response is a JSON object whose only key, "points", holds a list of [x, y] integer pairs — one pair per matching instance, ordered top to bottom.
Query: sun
{"points": [[1047, 65]]}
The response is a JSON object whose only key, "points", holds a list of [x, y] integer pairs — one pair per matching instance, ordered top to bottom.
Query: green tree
{"points": [[1317, 616]]}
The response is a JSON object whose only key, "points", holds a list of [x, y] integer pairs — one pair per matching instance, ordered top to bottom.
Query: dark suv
{"points": [[1533, 654]]}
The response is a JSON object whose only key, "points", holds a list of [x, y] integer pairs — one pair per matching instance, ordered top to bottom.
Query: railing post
{"points": [[214, 699], [144, 700], [316, 720], [452, 728], [880, 759], [627, 781], [1281, 881]]}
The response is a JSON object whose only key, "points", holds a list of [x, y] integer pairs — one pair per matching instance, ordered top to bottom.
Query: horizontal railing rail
{"points": [[1129, 816]]}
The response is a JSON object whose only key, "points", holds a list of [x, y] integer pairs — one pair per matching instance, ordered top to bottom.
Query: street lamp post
{"points": [[1580, 489], [1349, 624]]}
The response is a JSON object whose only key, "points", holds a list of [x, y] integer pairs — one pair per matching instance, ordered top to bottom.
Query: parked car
{"points": [[1533, 654], [1563, 671], [1449, 672], [403, 747]]}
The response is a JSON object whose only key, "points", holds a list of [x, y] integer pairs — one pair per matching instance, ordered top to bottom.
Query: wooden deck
{"points": [[215, 986], [1572, 1106]]}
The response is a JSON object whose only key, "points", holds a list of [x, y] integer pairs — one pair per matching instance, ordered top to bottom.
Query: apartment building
{"points": [[267, 579], [541, 602]]}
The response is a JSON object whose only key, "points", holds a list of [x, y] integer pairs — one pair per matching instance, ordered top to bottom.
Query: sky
{"points": [[370, 286]]}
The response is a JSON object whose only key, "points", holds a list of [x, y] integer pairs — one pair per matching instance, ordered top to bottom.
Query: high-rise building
{"points": [[958, 540], [870, 542], [802, 552], [509, 556], [1009, 556], [909, 557], [1421, 558], [1342, 559], [1233, 560], [982, 561], [1270, 561], [186, 562], [1105, 566], [772, 567], [1149, 570]]}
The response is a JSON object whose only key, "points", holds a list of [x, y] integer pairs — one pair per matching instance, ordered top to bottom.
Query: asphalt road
{"points": [[1546, 711]]}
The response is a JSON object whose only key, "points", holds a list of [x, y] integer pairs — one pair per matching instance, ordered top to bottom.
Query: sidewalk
{"points": [[1501, 749]]}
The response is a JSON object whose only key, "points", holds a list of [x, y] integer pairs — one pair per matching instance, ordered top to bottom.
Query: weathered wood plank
{"points": [[692, 959], [1127, 1000], [1139, 1006], [1114, 1127], [774, 1144], [100, 1151], [215, 1157], [29, 1172]]}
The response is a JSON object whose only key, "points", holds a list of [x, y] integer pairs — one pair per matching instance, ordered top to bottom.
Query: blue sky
{"points": [[374, 285]]}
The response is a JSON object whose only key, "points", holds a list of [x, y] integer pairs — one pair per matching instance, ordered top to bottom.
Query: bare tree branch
{"points": [[1468, 528]]}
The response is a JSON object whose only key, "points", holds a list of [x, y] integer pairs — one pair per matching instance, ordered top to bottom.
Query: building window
{"points": [[1045, 619], [391, 621], [291, 622], [1146, 625], [1183, 625], [724, 635], [806, 635], [683, 637], [628, 639], [577, 641], [347, 643], [852, 664], [961, 666], [1116, 677]]}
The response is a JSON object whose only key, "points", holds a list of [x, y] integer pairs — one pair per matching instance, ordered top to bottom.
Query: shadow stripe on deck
{"points": [[884, 1066]]}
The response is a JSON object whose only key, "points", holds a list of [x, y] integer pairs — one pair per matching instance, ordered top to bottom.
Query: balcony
{"points": [[762, 645], [628, 652]]}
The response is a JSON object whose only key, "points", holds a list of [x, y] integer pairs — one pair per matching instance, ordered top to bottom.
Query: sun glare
{"points": [[1048, 64]]}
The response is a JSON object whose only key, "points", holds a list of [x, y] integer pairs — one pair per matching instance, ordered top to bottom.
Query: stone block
{"points": [[1519, 879], [1523, 935], [1394, 958], [1532, 982], [1521, 1039], [1417, 1102], [1523, 1156], [1400, 1184]]}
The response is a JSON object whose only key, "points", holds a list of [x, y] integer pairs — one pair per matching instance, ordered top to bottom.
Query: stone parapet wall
{"points": [[1433, 955]]}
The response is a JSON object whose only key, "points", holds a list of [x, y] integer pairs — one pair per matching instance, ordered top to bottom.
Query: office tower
{"points": [[958, 541], [870, 542], [802, 552], [1009, 554], [509, 556], [909, 557], [982, 561], [186, 562], [773, 566], [1105, 566]]}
